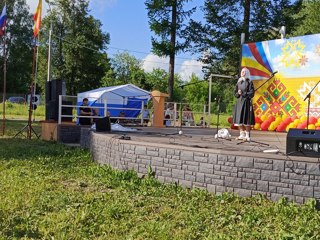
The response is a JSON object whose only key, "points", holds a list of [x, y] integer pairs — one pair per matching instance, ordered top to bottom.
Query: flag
{"points": [[3, 19], [37, 20]]}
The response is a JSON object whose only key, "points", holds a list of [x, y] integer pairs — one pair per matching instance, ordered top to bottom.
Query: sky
{"points": [[127, 23]]}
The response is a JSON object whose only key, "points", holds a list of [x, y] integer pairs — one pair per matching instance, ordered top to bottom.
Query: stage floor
{"points": [[263, 143]]}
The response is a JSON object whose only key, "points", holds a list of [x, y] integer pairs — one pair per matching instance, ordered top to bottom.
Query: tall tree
{"points": [[309, 17], [168, 20], [226, 20], [78, 46], [19, 47]]}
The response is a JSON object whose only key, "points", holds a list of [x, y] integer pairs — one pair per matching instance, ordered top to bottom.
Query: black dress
{"points": [[243, 113], [85, 121]]}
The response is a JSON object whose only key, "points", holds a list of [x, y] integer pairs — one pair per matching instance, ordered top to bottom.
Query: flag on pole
{"points": [[3, 19], [37, 20]]}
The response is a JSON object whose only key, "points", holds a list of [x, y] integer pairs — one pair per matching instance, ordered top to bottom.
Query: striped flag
{"points": [[3, 19], [37, 20]]}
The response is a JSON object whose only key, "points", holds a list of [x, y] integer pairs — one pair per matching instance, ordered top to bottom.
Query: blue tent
{"points": [[117, 99]]}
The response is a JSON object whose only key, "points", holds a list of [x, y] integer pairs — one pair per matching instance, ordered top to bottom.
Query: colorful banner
{"points": [[297, 63]]}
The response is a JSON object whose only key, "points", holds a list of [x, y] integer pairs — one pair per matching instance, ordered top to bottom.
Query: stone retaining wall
{"points": [[214, 170]]}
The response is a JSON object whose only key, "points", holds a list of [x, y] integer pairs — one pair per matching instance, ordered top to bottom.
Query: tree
{"points": [[309, 18], [167, 20], [226, 20], [78, 46], [19, 47], [127, 69]]}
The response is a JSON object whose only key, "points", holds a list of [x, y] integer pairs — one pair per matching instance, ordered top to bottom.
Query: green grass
{"points": [[21, 111], [14, 127], [51, 191]]}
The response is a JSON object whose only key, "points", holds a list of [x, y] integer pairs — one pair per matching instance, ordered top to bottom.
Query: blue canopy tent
{"points": [[126, 98]]}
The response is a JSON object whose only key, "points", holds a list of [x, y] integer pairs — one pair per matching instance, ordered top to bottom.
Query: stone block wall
{"points": [[69, 133], [214, 170]]}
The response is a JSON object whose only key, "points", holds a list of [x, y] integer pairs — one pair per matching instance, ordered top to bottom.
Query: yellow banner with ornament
{"points": [[284, 72]]}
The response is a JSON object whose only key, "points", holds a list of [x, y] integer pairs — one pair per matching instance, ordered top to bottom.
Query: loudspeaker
{"points": [[54, 88], [48, 91], [52, 111], [103, 124], [303, 142]]}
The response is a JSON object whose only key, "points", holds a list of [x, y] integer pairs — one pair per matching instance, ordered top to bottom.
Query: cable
{"points": [[142, 60]]}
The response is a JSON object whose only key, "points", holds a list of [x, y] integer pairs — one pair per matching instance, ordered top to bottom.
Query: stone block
{"points": [[141, 150], [162, 152], [152, 153], [212, 158], [245, 162], [265, 166], [206, 168], [313, 168], [176, 173], [253, 176], [272, 176], [189, 177], [200, 177], [232, 182], [185, 183], [249, 186], [263, 186], [211, 188], [282, 190], [303, 191], [243, 192], [276, 196]]}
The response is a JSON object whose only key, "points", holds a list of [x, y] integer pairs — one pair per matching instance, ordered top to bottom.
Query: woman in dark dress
{"points": [[243, 114]]}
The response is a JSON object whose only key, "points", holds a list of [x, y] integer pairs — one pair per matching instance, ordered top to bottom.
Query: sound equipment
{"points": [[54, 88], [52, 111], [103, 124], [303, 142]]}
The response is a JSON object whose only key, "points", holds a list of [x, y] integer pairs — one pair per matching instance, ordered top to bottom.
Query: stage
{"points": [[263, 143], [196, 159]]}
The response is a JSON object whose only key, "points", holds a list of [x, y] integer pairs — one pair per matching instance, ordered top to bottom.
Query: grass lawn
{"points": [[51, 191]]}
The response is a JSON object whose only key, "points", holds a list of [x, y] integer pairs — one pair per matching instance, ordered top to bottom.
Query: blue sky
{"points": [[127, 23]]}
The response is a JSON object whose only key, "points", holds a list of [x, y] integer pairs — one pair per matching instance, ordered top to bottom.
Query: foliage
{"points": [[309, 17], [168, 20], [220, 34], [19, 47], [77, 47], [126, 69], [55, 191]]}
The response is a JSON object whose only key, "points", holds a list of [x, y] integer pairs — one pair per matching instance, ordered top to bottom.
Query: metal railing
{"points": [[63, 99]]}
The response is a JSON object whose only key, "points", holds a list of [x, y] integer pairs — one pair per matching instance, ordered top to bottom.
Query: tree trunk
{"points": [[246, 19], [172, 50]]}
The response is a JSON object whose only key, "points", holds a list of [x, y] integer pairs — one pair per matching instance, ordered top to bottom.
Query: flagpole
{"points": [[35, 78], [4, 81], [32, 89]]}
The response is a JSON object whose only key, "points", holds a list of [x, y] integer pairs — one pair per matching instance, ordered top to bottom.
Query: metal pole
{"points": [[49, 50], [49, 54], [4, 83], [209, 101], [60, 109], [142, 112]]}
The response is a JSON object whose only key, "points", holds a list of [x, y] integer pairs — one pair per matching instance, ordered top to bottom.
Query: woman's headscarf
{"points": [[246, 75]]}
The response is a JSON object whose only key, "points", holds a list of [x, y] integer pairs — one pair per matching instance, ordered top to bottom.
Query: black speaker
{"points": [[58, 87], [54, 88], [48, 91], [52, 111], [66, 111], [103, 124], [303, 142]]}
